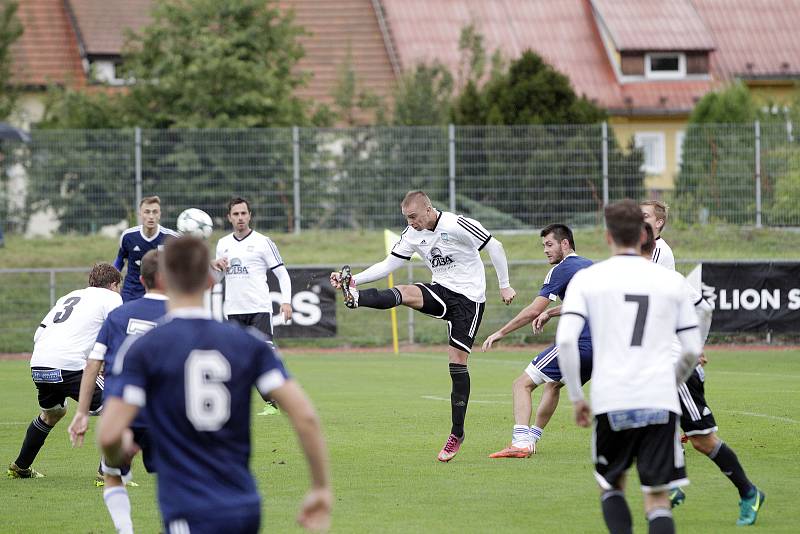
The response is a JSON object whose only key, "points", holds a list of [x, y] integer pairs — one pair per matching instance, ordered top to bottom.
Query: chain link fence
{"points": [[508, 177]]}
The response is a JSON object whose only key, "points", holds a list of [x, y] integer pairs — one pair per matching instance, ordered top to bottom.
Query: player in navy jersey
{"points": [[136, 241], [559, 248], [133, 317], [193, 376]]}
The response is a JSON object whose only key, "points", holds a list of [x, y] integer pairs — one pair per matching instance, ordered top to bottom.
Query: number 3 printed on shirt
{"points": [[208, 401]]}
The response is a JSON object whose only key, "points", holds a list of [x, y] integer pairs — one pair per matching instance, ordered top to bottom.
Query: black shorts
{"points": [[463, 315], [261, 321], [55, 385], [697, 418], [656, 448]]}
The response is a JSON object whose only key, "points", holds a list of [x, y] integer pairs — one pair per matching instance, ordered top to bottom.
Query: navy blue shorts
{"points": [[544, 367], [245, 524]]}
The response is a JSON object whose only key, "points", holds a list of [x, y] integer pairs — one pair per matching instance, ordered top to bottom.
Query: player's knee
{"points": [[412, 295], [524, 383], [53, 415], [704, 443]]}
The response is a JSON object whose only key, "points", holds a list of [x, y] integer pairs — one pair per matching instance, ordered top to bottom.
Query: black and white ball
{"points": [[195, 222]]}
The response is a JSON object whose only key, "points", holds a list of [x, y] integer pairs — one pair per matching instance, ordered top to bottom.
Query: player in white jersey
{"points": [[655, 214], [451, 245], [245, 256], [633, 308], [62, 342], [697, 420]]}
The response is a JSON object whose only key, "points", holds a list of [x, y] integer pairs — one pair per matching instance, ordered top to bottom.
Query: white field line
{"points": [[471, 401], [765, 416]]}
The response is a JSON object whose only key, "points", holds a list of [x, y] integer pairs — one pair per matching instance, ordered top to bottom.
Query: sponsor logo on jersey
{"points": [[437, 259], [236, 267]]}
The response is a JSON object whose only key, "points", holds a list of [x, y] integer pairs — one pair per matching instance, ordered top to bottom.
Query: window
{"points": [[665, 66], [106, 72], [679, 137], [653, 149]]}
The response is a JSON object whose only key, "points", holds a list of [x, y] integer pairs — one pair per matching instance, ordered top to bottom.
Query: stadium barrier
{"points": [[752, 296], [321, 319]]}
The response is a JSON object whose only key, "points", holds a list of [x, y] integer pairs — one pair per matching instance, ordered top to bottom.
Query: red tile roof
{"points": [[102, 23], [654, 25], [333, 28], [563, 32], [754, 38], [48, 50]]}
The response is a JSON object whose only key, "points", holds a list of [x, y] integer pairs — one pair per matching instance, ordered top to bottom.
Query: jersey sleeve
{"points": [[473, 232], [403, 249], [122, 254], [272, 255], [554, 283], [575, 299], [687, 317], [102, 342], [270, 371], [129, 372]]}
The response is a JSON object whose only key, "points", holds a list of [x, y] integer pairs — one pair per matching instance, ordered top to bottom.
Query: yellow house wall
{"points": [[624, 129]]}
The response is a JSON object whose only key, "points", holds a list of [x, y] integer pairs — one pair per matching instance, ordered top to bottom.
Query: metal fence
{"points": [[301, 178]]}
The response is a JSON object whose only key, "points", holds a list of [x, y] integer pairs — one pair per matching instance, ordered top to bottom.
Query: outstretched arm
{"points": [[498, 256], [380, 270], [524, 317], [80, 422], [316, 508]]}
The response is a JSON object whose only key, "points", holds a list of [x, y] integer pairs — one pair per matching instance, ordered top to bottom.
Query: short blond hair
{"points": [[416, 196], [150, 200], [660, 210]]}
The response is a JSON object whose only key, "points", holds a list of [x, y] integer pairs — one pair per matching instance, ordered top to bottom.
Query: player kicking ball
{"points": [[450, 245]]}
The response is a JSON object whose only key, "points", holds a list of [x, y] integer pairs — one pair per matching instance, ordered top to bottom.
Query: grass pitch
{"points": [[385, 418]]}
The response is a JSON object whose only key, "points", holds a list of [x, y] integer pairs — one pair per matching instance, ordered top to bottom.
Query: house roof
{"points": [[101, 24], [654, 25], [334, 30], [755, 39], [47, 52]]}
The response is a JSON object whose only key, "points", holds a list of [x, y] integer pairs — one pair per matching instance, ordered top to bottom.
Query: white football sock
{"points": [[520, 437], [119, 507]]}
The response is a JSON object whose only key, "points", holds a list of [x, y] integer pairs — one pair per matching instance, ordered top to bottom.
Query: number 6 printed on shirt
{"points": [[208, 401]]}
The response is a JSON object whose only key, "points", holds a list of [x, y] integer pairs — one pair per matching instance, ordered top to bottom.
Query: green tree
{"points": [[10, 30], [201, 64], [423, 96], [554, 147], [717, 176]]}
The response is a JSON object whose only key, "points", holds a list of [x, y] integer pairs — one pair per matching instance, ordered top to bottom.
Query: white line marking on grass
{"points": [[488, 359], [748, 373], [471, 401], [765, 416], [11, 423]]}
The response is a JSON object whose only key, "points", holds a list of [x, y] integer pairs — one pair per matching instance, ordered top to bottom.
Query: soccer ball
{"points": [[195, 222]]}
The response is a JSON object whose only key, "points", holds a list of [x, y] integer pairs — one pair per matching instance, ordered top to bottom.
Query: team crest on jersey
{"points": [[445, 237], [251, 248], [437, 259], [236, 267]]}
